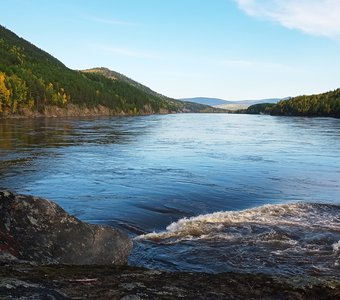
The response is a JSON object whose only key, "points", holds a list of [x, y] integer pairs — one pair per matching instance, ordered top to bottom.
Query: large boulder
{"points": [[39, 230]]}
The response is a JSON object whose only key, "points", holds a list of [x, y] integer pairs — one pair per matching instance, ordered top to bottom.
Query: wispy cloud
{"points": [[315, 17], [113, 22], [260, 65]]}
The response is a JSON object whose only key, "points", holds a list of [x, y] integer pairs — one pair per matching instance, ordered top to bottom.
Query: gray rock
{"points": [[35, 229], [18, 289]]}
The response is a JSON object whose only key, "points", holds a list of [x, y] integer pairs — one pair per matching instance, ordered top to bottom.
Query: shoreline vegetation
{"points": [[319, 105], [73, 110], [58, 273]]}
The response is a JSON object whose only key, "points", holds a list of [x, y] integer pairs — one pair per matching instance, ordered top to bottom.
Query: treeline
{"points": [[31, 79], [319, 105]]}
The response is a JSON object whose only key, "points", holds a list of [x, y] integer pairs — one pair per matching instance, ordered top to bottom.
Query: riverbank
{"points": [[73, 110], [18, 280]]}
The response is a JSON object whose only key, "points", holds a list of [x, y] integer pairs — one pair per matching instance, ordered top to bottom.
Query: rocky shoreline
{"points": [[47, 254], [27, 281]]}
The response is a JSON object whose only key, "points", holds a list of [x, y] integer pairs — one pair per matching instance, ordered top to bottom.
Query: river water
{"points": [[197, 192]]}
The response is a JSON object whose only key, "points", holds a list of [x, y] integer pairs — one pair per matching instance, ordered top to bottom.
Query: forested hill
{"points": [[117, 76], [32, 82], [176, 105], [322, 105]]}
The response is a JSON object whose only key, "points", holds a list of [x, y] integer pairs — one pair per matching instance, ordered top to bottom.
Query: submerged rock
{"points": [[38, 230]]}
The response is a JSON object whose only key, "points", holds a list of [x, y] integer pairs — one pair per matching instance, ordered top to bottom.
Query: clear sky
{"points": [[229, 49]]}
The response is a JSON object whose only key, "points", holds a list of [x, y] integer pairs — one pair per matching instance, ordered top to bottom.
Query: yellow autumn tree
{"points": [[5, 92], [19, 93]]}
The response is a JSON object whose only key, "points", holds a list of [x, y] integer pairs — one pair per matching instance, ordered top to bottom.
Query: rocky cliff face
{"points": [[39, 230]]}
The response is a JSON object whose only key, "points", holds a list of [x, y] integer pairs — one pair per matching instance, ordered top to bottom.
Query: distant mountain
{"points": [[34, 83], [206, 101], [218, 101], [251, 102], [228, 104]]}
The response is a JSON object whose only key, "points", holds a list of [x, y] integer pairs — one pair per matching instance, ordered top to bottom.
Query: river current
{"points": [[196, 192]]}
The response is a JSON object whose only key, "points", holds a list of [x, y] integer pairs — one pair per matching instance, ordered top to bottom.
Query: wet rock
{"points": [[38, 230], [131, 283], [18, 289]]}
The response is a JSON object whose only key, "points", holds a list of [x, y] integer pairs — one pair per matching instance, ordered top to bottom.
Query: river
{"points": [[197, 192]]}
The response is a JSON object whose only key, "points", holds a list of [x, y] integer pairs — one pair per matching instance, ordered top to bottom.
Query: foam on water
{"points": [[317, 216], [291, 238]]}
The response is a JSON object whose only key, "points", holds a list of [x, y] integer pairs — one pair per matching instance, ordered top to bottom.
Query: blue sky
{"points": [[230, 49]]}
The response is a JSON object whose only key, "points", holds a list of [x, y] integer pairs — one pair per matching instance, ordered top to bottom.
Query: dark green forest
{"points": [[31, 80], [318, 105]]}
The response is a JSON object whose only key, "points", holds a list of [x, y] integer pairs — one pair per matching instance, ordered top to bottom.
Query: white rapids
{"points": [[291, 238]]}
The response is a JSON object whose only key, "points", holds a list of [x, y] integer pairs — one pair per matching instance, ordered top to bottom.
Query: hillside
{"points": [[120, 77], [32, 82], [319, 105], [178, 106]]}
